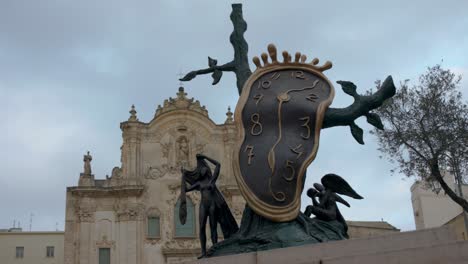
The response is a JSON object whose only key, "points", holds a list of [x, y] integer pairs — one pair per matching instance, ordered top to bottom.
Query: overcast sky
{"points": [[70, 70]]}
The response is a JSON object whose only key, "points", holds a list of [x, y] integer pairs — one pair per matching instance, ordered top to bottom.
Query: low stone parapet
{"points": [[437, 245]]}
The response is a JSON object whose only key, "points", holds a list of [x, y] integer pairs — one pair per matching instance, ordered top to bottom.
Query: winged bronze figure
{"points": [[326, 208]]}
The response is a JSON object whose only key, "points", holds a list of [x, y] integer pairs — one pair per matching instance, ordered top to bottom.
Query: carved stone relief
{"points": [[166, 148], [200, 148], [182, 151], [116, 173], [154, 173], [127, 212], [85, 215], [105, 243]]}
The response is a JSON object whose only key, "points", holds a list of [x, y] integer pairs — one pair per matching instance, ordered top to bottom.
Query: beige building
{"points": [[437, 209], [131, 217], [361, 229], [31, 247]]}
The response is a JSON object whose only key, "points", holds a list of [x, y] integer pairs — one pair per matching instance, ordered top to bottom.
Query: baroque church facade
{"points": [[131, 217]]}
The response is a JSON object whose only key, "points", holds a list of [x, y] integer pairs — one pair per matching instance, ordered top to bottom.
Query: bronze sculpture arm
{"points": [[216, 170], [192, 187], [327, 214]]}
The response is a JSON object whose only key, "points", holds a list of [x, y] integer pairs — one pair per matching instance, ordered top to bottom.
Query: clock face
{"points": [[279, 117]]}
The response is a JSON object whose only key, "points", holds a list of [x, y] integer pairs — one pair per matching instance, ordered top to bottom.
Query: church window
{"points": [[153, 226], [187, 230], [104, 256]]}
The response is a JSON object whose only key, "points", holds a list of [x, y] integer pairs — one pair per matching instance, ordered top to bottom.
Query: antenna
{"points": [[180, 75], [30, 221], [14, 223], [56, 226]]}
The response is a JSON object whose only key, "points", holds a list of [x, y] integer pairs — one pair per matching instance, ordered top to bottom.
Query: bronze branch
{"points": [[240, 64], [362, 105]]}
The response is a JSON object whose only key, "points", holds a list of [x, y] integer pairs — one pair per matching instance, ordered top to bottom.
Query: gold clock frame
{"points": [[291, 210]]}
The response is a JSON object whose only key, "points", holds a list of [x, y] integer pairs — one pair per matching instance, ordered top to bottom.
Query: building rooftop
{"points": [[373, 224]]}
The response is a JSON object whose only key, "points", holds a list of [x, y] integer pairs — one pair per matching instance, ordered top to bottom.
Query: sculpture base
{"points": [[257, 233], [439, 245]]}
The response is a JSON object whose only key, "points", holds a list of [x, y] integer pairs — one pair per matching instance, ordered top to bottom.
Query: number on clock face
{"points": [[264, 84], [258, 98], [306, 120], [257, 127], [297, 150], [250, 153], [289, 165]]}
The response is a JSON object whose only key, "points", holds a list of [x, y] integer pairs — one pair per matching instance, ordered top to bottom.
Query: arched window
{"points": [[153, 223], [187, 230]]}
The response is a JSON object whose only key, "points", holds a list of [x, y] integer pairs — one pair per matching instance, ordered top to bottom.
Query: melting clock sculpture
{"points": [[282, 108], [279, 117]]}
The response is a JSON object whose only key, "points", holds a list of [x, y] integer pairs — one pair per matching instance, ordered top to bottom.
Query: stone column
{"points": [[131, 150]]}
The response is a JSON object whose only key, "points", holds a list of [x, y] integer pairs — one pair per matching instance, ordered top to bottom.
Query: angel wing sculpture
{"points": [[326, 208]]}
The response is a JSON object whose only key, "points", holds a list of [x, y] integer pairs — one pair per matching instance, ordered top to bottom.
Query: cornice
{"points": [[126, 190]]}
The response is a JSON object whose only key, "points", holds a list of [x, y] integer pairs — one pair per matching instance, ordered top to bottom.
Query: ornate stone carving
{"points": [[181, 102], [229, 115], [133, 116], [151, 137], [165, 149], [200, 149], [182, 156], [116, 173], [155, 173], [127, 212], [85, 215], [104, 243], [182, 244]]}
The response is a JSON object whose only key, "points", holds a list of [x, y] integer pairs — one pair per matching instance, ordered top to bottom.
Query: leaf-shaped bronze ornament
{"points": [[279, 116]]}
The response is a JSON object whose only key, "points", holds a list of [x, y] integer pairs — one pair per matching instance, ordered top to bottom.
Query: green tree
{"points": [[426, 131]]}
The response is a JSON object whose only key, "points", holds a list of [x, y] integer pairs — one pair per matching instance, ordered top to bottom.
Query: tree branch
{"points": [[240, 64], [361, 106], [435, 171]]}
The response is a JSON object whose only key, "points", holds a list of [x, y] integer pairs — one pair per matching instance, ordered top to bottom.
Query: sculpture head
{"points": [[202, 170]]}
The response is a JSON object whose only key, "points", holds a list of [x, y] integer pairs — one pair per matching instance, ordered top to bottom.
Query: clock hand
{"points": [[283, 97]]}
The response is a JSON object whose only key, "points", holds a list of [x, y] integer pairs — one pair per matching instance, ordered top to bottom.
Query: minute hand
{"points": [[283, 97]]}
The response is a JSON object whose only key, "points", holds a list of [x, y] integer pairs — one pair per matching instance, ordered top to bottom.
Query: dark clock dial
{"points": [[279, 119]]}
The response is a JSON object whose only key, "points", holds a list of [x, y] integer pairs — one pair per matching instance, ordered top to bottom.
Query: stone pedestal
{"points": [[437, 245]]}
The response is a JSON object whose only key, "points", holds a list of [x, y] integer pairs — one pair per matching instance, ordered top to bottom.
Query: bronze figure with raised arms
{"points": [[213, 207]]}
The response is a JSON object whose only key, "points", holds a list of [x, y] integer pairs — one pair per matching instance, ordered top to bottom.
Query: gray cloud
{"points": [[69, 71]]}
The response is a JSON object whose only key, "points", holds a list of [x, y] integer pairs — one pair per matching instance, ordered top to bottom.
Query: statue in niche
{"points": [[182, 151], [87, 164], [213, 207], [326, 208]]}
